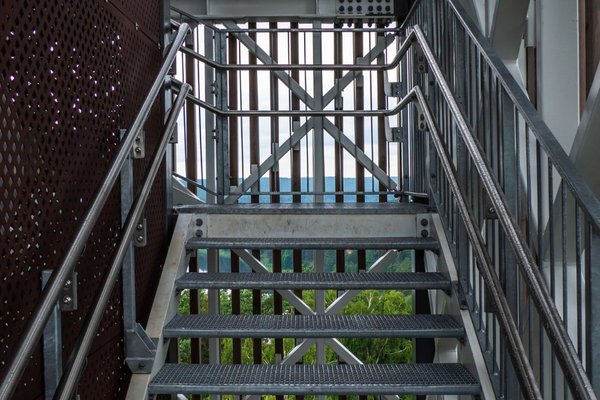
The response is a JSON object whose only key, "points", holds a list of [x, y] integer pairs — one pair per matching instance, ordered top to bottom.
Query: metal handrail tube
{"points": [[203, 21], [308, 67], [309, 113], [581, 191], [485, 266], [53, 289], [559, 338], [76, 364]]}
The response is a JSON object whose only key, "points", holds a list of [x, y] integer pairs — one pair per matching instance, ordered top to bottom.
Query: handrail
{"points": [[203, 21], [302, 67], [309, 113], [571, 175], [53, 289], [559, 337], [517, 351], [75, 365]]}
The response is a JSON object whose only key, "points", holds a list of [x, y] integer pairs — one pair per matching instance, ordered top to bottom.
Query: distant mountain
{"points": [[371, 185]]}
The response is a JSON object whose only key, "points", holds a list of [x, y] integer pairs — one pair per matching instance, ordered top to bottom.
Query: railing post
{"points": [[209, 118], [222, 127], [508, 263], [592, 265]]}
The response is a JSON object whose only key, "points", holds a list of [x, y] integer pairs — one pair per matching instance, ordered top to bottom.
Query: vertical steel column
{"points": [[222, 128], [359, 134], [359, 140], [254, 161], [296, 162], [191, 168], [318, 172], [233, 178], [274, 185], [212, 255], [340, 255]]}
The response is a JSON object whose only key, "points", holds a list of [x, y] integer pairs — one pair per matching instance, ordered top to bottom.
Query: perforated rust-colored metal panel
{"points": [[72, 73]]}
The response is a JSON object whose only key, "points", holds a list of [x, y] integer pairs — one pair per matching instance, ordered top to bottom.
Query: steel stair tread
{"points": [[314, 243], [315, 280], [313, 326], [314, 379]]}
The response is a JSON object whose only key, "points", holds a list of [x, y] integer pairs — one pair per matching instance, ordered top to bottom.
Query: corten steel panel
{"points": [[72, 73]]}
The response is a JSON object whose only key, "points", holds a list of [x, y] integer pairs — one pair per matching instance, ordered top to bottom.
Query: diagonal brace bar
{"points": [[265, 58], [368, 58], [277, 155], [359, 155], [382, 263], [257, 266]]}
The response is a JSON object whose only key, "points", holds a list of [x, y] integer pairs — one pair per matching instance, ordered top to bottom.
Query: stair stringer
{"points": [[165, 303], [447, 350]]}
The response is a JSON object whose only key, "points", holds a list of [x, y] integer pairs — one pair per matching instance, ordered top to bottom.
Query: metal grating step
{"points": [[383, 243], [315, 280], [313, 326], [315, 379]]}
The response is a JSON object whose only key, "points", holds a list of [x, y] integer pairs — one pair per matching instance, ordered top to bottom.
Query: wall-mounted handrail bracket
{"points": [[139, 147], [141, 233], [141, 350]]}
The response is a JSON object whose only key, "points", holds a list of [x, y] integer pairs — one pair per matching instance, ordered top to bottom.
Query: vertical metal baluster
{"points": [[551, 247], [580, 300]]}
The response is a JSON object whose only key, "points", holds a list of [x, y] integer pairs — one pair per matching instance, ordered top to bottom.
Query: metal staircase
{"points": [[503, 231], [289, 378]]}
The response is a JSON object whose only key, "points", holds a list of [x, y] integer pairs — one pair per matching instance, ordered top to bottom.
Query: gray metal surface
{"points": [[307, 208], [398, 243], [312, 280], [313, 326], [315, 379]]}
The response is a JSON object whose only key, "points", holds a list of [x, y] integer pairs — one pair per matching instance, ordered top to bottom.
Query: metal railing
{"points": [[225, 54], [505, 187], [517, 212], [523, 224], [53, 289]]}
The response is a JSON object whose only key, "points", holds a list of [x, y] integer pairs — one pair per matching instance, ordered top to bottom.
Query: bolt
{"points": [[137, 26], [138, 150], [492, 210], [199, 222], [424, 222], [140, 226], [198, 233], [424, 233], [140, 239], [68, 283], [67, 300], [142, 365]]}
